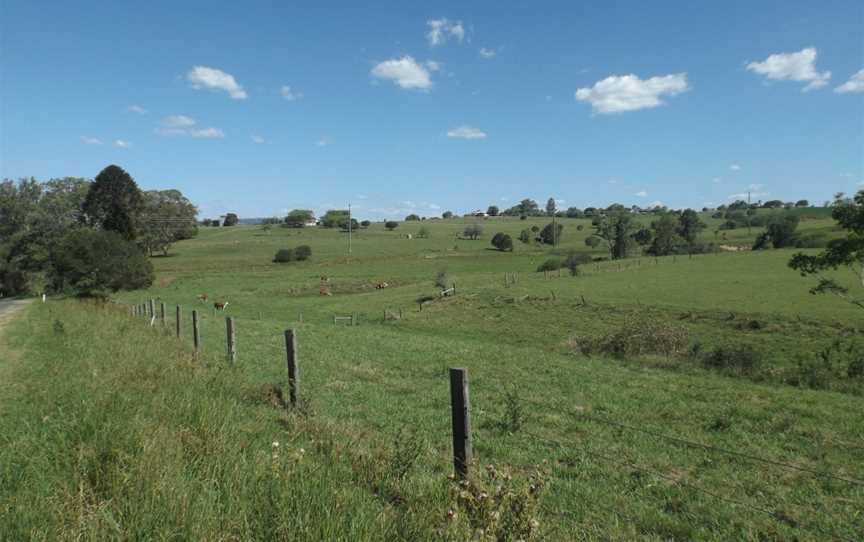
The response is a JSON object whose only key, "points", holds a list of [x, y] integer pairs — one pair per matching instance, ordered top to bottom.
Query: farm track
{"points": [[10, 307]]}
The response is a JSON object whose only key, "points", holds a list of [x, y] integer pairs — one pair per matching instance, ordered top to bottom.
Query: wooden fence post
{"points": [[152, 308], [162, 312], [178, 322], [229, 330], [196, 332], [291, 353], [460, 408]]}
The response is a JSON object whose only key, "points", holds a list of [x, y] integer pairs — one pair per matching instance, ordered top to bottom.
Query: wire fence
{"points": [[154, 313]]}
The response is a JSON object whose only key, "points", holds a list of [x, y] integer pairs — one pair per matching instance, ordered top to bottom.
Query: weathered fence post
{"points": [[454, 288], [152, 307], [162, 313], [178, 322], [229, 330], [196, 332], [291, 353], [460, 408]]}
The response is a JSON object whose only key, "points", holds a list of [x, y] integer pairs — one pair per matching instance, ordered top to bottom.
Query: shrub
{"points": [[412, 217], [366, 223], [391, 225], [473, 231], [550, 235], [525, 236], [502, 242], [303, 252], [285, 255], [574, 260], [98, 262], [552, 264], [442, 280], [637, 335], [738, 360]]}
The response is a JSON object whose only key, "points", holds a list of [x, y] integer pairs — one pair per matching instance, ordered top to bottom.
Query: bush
{"points": [[365, 223], [391, 225], [473, 231], [550, 235], [525, 236], [812, 240], [502, 242], [285, 255], [574, 260], [98, 262], [552, 264], [442, 280], [638, 335], [738, 360]]}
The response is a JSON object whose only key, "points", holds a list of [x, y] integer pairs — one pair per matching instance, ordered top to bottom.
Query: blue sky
{"points": [[400, 107]]}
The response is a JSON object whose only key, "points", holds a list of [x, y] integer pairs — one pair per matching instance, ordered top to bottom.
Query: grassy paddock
{"points": [[375, 396]]}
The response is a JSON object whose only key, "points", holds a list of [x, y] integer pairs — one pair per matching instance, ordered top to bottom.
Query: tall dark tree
{"points": [[114, 202], [551, 207], [492, 210], [231, 219], [689, 226], [615, 231], [551, 233], [665, 236]]}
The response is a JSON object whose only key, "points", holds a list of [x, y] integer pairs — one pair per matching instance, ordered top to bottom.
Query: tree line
{"points": [[86, 237]]}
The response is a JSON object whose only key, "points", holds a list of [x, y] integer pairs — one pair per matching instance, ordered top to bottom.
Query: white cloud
{"points": [[440, 30], [487, 53], [434, 65], [800, 66], [404, 72], [202, 77], [854, 84], [620, 93], [290, 95], [137, 109], [178, 121], [181, 125], [466, 132], [206, 133], [258, 139], [91, 140], [324, 141], [120, 144], [735, 167], [755, 186], [641, 194], [743, 195], [434, 206]]}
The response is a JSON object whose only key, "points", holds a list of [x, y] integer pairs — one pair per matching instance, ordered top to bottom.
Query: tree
{"points": [[114, 203], [802, 203], [773, 204], [526, 207], [551, 207], [492, 210], [574, 212], [447, 214], [167, 217], [412, 217], [298, 218], [334, 218], [231, 219], [365, 223], [343, 224], [391, 225], [689, 227], [473, 231], [614, 231], [550, 233], [779, 233], [665, 234], [525, 236], [643, 237], [502, 242], [303, 252], [845, 252], [574, 260], [98, 262]]}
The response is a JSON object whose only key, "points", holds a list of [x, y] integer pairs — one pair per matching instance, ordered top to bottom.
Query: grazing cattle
{"points": [[325, 278], [381, 285], [324, 290], [202, 298], [220, 305]]}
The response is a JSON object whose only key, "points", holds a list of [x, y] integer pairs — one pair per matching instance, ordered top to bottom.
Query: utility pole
{"points": [[748, 212], [349, 228]]}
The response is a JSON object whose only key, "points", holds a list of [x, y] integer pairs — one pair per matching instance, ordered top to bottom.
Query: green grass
{"points": [[364, 386]]}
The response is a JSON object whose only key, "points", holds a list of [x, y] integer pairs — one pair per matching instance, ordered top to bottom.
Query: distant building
{"points": [[478, 213], [311, 222]]}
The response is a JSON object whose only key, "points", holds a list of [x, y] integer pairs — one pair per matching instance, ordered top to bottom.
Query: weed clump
{"points": [[637, 336], [737, 360], [494, 506]]}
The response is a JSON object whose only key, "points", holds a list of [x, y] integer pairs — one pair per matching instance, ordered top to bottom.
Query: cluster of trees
{"points": [[670, 233], [86, 237]]}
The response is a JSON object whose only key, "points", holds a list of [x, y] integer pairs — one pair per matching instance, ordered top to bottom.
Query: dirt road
{"points": [[8, 307]]}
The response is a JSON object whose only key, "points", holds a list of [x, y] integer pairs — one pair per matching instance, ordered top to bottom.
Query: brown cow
{"points": [[202, 298], [220, 305]]}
